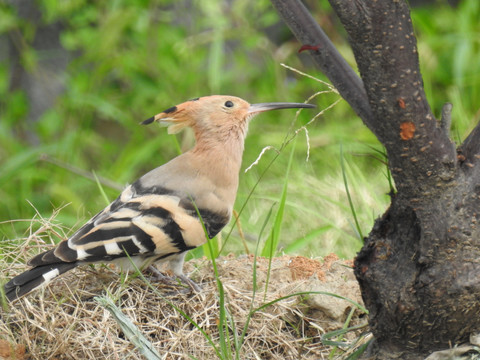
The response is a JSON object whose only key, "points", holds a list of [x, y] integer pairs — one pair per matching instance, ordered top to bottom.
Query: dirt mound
{"points": [[63, 321]]}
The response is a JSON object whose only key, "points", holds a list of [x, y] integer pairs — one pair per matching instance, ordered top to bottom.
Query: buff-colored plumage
{"points": [[159, 217]]}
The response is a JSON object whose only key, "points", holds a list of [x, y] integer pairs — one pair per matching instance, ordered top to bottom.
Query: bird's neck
{"points": [[225, 147], [222, 156]]}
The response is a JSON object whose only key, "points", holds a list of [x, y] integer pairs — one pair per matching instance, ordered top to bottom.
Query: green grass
{"points": [[136, 59]]}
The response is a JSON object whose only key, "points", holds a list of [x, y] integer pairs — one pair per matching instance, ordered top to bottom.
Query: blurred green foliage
{"points": [[132, 59]]}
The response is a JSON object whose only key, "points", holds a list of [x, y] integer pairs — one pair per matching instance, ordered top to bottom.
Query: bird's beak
{"points": [[258, 108]]}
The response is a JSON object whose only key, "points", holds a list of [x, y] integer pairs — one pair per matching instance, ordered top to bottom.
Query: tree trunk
{"points": [[419, 268]]}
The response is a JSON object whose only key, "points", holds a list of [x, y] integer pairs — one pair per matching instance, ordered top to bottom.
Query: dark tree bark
{"points": [[419, 268]]}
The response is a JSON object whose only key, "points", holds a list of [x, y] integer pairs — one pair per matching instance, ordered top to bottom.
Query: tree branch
{"points": [[326, 56], [469, 151]]}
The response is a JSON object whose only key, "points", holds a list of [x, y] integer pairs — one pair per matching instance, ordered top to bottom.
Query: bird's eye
{"points": [[228, 103]]}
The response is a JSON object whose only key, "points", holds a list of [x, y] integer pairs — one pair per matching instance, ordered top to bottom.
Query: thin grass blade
{"points": [[347, 190], [129, 329]]}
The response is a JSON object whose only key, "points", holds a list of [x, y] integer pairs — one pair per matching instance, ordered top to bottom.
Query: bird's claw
{"points": [[159, 276], [192, 284]]}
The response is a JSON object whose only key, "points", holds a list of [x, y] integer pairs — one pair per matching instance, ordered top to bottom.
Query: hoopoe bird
{"points": [[169, 210]]}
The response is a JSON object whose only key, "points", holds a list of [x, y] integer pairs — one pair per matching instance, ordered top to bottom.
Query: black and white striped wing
{"points": [[147, 224]]}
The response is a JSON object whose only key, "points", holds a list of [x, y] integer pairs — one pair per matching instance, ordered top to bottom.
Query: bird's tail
{"points": [[33, 278]]}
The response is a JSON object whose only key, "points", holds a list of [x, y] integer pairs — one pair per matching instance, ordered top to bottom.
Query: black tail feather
{"points": [[33, 278]]}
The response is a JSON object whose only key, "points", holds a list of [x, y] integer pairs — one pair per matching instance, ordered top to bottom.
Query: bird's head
{"points": [[216, 113]]}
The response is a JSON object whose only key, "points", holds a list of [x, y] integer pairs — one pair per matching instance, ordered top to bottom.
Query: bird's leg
{"points": [[175, 265], [158, 275], [168, 280]]}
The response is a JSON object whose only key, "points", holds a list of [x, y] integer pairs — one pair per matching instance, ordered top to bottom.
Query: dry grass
{"points": [[63, 321]]}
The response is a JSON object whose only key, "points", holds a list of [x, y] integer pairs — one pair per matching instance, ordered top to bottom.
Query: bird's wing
{"points": [[148, 222]]}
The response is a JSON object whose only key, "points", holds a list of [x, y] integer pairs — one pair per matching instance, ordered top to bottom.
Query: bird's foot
{"points": [[159, 276], [168, 280], [192, 284]]}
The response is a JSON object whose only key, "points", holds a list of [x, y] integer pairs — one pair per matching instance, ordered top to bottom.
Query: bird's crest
{"points": [[175, 118]]}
